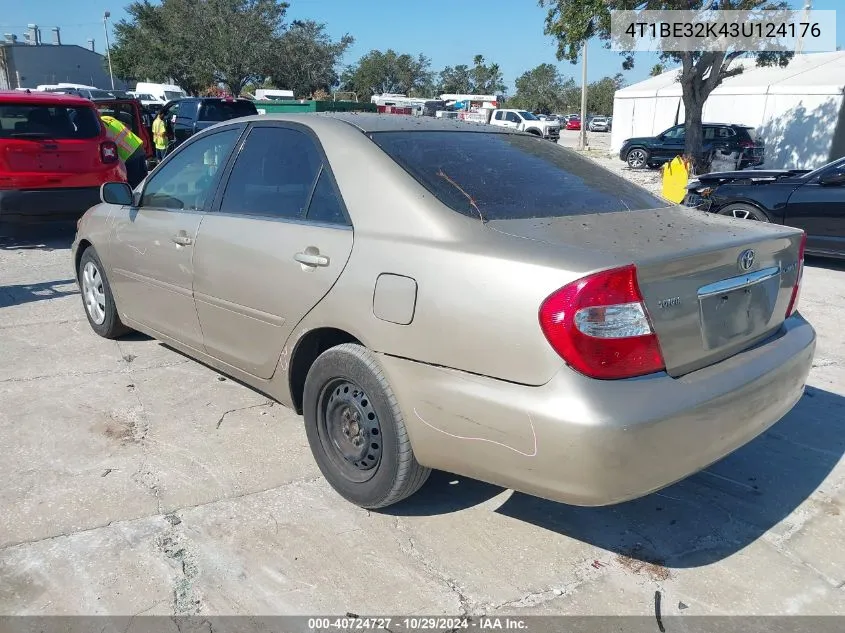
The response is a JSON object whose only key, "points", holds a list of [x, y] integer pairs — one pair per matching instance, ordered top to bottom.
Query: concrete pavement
{"points": [[138, 481]]}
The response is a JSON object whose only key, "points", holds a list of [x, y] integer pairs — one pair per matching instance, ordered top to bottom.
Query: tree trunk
{"points": [[694, 136]]}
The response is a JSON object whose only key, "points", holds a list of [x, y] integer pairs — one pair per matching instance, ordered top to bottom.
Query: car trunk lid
{"points": [[704, 300]]}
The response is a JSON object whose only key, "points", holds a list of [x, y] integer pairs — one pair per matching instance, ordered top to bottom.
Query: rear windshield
{"points": [[225, 110], [47, 121], [510, 176]]}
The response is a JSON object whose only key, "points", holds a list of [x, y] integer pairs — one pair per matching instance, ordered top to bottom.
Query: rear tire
{"points": [[744, 212], [97, 297], [356, 429]]}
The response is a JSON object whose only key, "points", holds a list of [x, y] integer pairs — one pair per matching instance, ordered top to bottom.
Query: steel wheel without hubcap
{"points": [[636, 158], [93, 293], [349, 430]]}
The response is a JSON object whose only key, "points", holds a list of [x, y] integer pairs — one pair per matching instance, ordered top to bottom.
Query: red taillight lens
{"points": [[108, 152], [796, 289], [600, 327]]}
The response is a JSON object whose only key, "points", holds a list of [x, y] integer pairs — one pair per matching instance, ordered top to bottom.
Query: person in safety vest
{"points": [[160, 134], [130, 149]]}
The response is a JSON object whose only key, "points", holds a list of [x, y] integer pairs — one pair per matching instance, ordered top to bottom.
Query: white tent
{"points": [[798, 110]]}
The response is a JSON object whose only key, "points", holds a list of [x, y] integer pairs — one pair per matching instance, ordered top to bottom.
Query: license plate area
{"points": [[736, 308]]}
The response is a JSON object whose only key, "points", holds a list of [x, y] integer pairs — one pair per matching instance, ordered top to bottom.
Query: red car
{"points": [[573, 124], [54, 155]]}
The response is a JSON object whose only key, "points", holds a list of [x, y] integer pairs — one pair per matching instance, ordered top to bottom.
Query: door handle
{"points": [[182, 240], [307, 258]]}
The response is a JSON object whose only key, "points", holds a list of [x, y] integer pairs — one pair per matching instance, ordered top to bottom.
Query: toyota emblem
{"points": [[746, 260]]}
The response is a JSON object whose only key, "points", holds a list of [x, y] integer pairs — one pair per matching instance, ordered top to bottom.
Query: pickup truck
{"points": [[186, 117], [525, 122]]}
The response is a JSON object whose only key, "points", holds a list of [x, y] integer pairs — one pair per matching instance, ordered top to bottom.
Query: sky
{"points": [[449, 32]]}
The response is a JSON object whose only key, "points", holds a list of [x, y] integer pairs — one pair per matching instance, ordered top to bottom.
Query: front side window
{"points": [[513, 118], [24, 120], [675, 133], [273, 175], [511, 176], [187, 179]]}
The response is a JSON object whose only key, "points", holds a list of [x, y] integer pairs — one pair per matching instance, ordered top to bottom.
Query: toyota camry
{"points": [[431, 294]]}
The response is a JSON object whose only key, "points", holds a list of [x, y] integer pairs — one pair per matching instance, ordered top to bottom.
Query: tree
{"points": [[572, 22], [239, 39], [197, 43], [306, 59], [657, 69], [379, 72], [481, 78], [486, 79], [456, 80], [542, 89], [600, 94]]}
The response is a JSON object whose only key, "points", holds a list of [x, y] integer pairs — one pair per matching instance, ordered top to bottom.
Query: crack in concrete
{"points": [[96, 372], [269, 403], [115, 522], [177, 548], [464, 601]]}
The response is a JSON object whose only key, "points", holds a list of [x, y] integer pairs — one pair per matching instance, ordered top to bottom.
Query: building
{"points": [[30, 62], [798, 111]]}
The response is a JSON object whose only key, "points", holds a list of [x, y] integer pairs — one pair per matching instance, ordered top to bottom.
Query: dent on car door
{"points": [[819, 209], [152, 244], [272, 249]]}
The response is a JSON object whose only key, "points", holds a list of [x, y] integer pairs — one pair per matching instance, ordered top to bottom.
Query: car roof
{"points": [[35, 97], [369, 122]]}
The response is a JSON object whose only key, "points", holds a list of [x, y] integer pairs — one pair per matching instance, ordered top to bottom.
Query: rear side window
{"points": [[225, 110], [48, 121], [273, 175], [510, 176]]}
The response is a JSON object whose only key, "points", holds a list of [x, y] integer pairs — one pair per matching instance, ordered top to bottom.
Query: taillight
{"points": [[108, 152], [796, 289], [599, 325]]}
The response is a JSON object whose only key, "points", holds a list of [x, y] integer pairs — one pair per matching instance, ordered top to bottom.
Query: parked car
{"points": [[85, 93], [130, 113], [186, 117], [524, 121], [573, 123], [599, 124], [651, 151], [54, 155], [813, 201], [620, 363]]}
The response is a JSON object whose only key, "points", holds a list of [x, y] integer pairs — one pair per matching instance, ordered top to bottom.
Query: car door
{"points": [[512, 120], [670, 143], [819, 209], [152, 244], [275, 244]]}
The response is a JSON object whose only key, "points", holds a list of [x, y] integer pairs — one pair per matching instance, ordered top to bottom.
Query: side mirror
{"points": [[832, 180], [116, 193]]}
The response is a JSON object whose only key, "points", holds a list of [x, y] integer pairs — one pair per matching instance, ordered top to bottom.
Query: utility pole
{"points": [[106, 17], [582, 140]]}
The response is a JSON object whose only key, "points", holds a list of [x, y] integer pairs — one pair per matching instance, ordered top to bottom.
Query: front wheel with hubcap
{"points": [[637, 158], [744, 212], [97, 297], [356, 430]]}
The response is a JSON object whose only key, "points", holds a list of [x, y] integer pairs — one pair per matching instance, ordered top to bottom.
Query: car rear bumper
{"points": [[47, 203], [589, 442]]}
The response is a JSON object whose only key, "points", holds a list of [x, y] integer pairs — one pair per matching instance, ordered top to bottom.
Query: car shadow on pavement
{"points": [[48, 237], [822, 262], [44, 291], [698, 521]]}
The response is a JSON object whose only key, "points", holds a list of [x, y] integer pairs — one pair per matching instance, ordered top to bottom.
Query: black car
{"points": [[186, 117], [651, 151], [809, 200]]}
